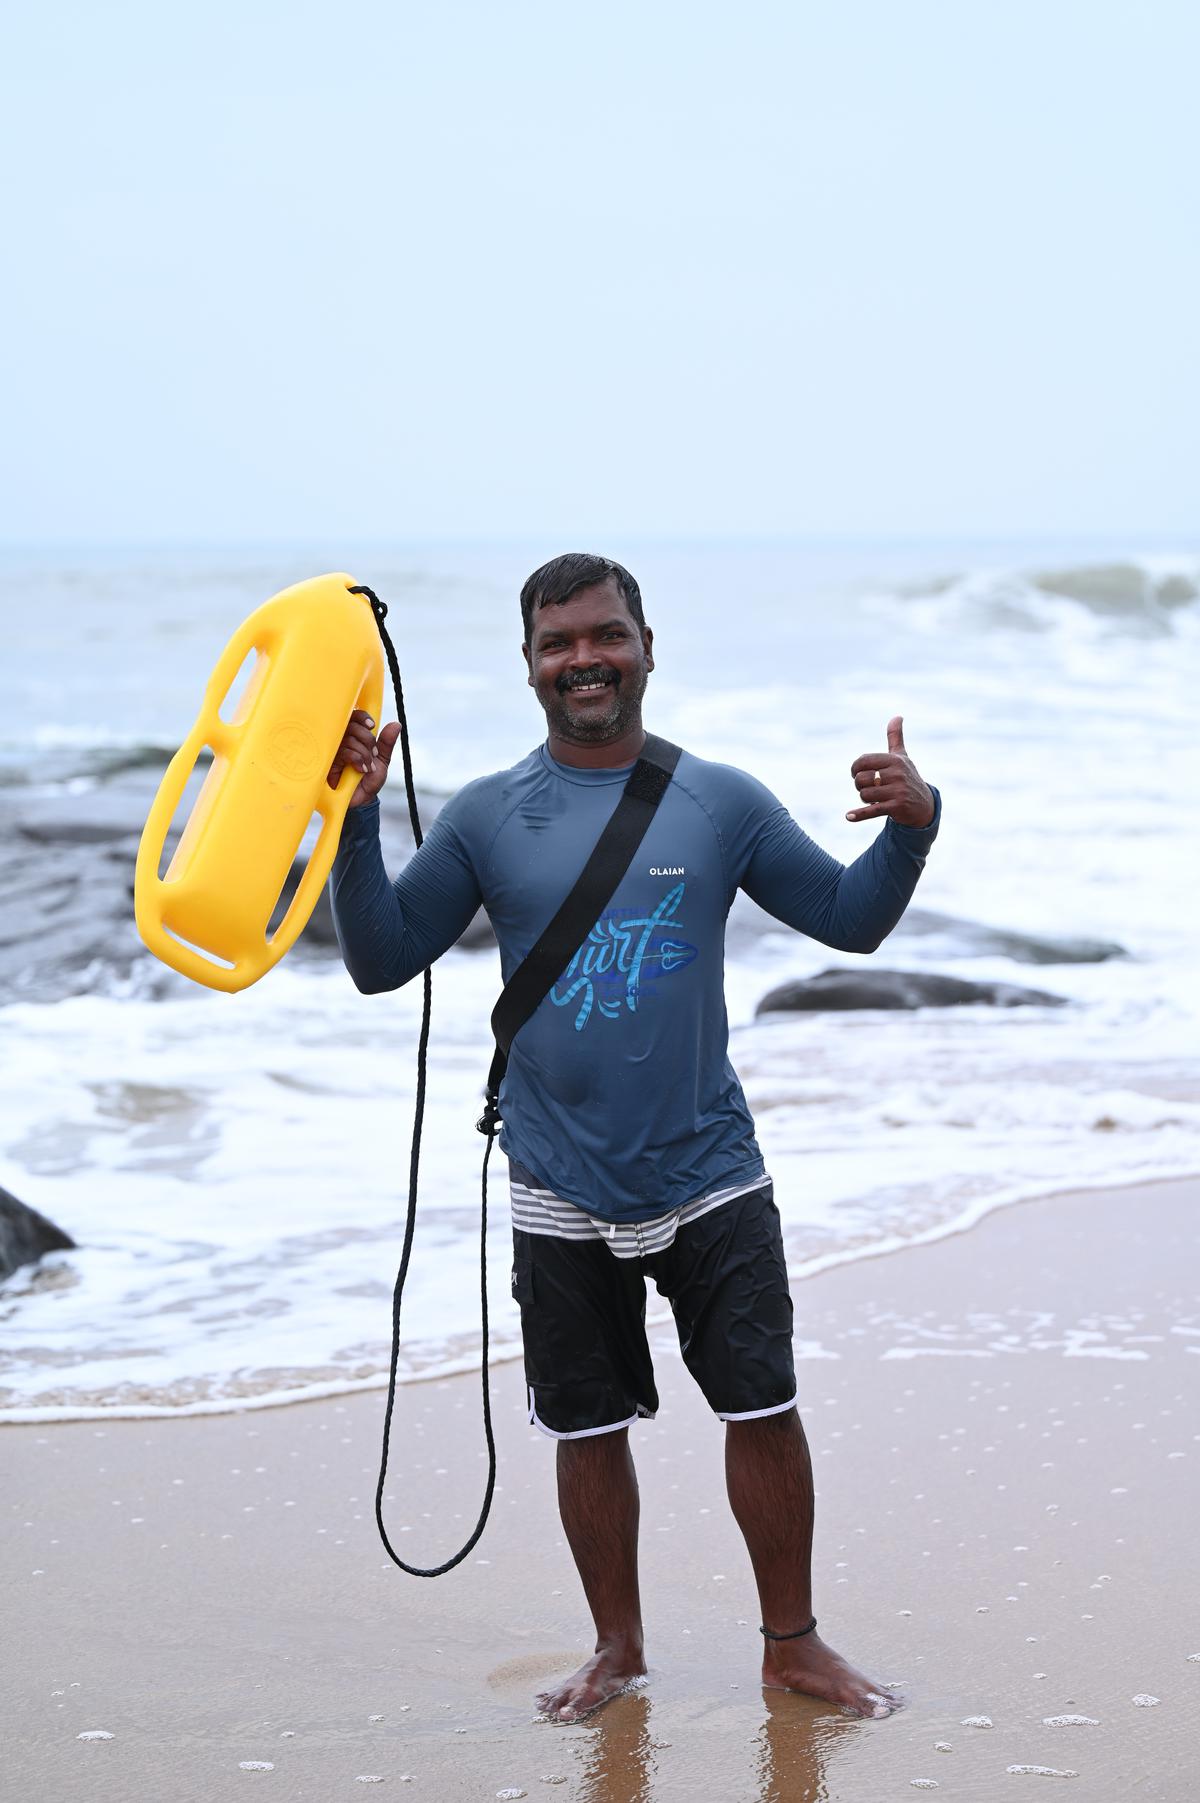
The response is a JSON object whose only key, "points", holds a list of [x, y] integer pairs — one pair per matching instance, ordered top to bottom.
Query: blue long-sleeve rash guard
{"points": [[619, 1093]]}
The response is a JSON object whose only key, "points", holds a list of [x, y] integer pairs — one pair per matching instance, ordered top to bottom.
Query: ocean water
{"points": [[235, 1168]]}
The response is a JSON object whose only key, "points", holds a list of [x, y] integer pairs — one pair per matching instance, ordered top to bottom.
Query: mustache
{"points": [[580, 679]]}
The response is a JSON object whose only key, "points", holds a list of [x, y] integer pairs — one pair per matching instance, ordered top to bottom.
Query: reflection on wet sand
{"points": [[791, 1748], [785, 1760], [619, 1766]]}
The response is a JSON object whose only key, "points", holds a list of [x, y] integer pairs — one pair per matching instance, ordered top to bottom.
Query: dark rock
{"points": [[1119, 588], [72, 832], [67, 856], [957, 938], [971, 939], [843, 989], [25, 1235]]}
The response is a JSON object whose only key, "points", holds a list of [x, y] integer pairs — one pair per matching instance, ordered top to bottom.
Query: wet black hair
{"points": [[564, 576]]}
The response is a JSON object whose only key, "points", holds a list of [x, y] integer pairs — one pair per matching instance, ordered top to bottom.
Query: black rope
{"points": [[379, 609]]}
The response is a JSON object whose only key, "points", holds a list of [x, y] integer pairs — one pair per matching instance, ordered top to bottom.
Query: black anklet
{"points": [[798, 1635]]}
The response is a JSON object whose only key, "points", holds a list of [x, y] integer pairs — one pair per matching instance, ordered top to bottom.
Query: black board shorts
{"points": [[583, 1320]]}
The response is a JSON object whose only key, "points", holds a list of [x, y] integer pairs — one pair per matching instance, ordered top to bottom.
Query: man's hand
{"points": [[363, 751], [889, 783]]}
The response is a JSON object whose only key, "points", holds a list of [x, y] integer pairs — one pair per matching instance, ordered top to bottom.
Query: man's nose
{"points": [[584, 654]]}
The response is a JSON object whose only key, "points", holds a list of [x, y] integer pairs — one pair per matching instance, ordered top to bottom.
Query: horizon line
{"points": [[1176, 538]]}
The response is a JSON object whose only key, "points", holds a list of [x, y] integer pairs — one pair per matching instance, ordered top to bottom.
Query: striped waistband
{"points": [[541, 1211]]}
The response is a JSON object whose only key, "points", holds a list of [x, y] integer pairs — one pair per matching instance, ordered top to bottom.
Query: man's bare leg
{"points": [[768, 1474], [598, 1502]]}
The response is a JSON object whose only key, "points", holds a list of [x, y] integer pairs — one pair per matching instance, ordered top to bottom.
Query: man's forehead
{"points": [[585, 604]]}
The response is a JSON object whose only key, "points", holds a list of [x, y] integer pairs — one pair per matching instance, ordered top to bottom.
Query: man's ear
{"points": [[648, 646], [528, 664]]}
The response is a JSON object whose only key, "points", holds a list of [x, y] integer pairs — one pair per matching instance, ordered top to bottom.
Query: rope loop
{"points": [[379, 609]]}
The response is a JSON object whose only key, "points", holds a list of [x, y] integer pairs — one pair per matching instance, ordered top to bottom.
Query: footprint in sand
{"points": [[518, 1679]]}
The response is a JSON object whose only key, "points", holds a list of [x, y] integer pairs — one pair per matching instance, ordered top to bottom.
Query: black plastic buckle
{"points": [[489, 1120]]}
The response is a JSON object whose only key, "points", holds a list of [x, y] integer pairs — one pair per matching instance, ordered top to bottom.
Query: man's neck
{"points": [[612, 755]]}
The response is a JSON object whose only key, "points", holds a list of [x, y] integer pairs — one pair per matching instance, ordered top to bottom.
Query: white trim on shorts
{"points": [[780, 1408], [582, 1433]]}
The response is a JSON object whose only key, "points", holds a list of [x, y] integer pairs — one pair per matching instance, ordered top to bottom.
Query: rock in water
{"points": [[1126, 589], [67, 864], [954, 937], [971, 939], [844, 989], [25, 1235]]}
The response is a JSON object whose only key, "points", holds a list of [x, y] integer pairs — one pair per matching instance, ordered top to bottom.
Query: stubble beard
{"points": [[597, 727]]}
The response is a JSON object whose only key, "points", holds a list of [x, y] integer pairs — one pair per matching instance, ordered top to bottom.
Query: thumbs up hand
{"points": [[888, 783]]}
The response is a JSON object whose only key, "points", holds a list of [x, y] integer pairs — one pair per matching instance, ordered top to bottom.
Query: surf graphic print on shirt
{"points": [[623, 959]]}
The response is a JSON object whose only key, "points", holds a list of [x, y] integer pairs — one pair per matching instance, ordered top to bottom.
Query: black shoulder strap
{"points": [[597, 883]]}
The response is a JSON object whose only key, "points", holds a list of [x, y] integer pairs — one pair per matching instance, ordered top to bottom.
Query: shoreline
{"points": [[965, 1222], [1006, 1453]]}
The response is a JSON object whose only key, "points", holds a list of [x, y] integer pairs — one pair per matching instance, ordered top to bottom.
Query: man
{"points": [[631, 1149]]}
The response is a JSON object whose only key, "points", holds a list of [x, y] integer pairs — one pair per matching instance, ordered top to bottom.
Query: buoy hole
{"points": [[240, 694], [187, 801], [291, 882], [200, 950]]}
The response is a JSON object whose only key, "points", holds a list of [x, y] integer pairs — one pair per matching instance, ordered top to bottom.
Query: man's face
{"points": [[588, 662]]}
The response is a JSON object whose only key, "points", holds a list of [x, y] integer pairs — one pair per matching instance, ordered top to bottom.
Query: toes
{"points": [[877, 1705], [557, 1706]]}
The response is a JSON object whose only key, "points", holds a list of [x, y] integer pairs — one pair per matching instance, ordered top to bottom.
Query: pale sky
{"points": [[657, 269]]}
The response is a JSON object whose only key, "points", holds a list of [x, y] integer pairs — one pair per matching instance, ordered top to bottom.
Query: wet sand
{"points": [[1006, 1438]]}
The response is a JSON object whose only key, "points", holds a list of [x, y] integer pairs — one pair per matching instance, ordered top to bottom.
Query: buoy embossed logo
{"points": [[292, 751]]}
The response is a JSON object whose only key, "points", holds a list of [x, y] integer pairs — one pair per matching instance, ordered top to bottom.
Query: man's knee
{"points": [[765, 1427], [594, 1449]]}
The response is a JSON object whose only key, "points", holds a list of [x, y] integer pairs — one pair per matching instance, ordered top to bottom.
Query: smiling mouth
{"points": [[593, 686]]}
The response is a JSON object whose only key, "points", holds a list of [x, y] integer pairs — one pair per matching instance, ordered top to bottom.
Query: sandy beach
{"points": [[1006, 1443]]}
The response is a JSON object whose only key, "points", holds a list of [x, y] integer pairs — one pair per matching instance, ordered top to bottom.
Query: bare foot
{"points": [[809, 1666], [598, 1681]]}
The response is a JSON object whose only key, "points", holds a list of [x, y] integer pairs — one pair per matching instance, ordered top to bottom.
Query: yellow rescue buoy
{"points": [[318, 658]]}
